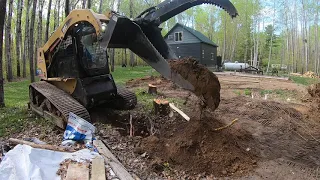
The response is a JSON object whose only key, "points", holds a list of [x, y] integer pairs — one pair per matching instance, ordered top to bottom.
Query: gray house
{"points": [[187, 42]]}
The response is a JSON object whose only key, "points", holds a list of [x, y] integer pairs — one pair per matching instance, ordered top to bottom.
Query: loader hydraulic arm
{"points": [[169, 8], [150, 19]]}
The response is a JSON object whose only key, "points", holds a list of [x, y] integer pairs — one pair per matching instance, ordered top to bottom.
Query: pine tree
{"points": [[2, 17]]}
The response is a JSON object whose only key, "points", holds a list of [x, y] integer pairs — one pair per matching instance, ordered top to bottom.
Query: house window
{"points": [[178, 36], [170, 37], [202, 53], [212, 56]]}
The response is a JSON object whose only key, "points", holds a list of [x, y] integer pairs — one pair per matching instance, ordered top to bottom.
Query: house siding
{"points": [[187, 37], [187, 50], [206, 59]]}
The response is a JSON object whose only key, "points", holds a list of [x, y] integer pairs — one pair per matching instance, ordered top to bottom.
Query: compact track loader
{"points": [[73, 64]]}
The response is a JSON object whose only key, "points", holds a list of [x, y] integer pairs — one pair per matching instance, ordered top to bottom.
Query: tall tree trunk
{"points": [[84, 3], [89, 4], [100, 6], [67, 8], [56, 14], [131, 16], [2, 17], [48, 21], [39, 28], [247, 32], [272, 32], [18, 36], [224, 37], [317, 39], [26, 40], [8, 42], [31, 42], [256, 42], [234, 44], [112, 51], [125, 56], [112, 59]]}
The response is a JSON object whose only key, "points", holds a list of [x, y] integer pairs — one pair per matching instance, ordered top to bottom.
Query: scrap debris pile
{"points": [[310, 74]]}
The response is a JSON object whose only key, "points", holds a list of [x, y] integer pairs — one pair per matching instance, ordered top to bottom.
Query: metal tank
{"points": [[236, 66]]}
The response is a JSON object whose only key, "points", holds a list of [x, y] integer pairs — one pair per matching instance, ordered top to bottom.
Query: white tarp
{"points": [[24, 162]]}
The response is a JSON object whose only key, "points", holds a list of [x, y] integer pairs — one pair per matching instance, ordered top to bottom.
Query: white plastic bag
{"points": [[78, 130], [24, 162]]}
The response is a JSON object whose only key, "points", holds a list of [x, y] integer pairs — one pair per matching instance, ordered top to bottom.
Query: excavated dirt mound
{"points": [[206, 84], [314, 90], [279, 130], [196, 147]]}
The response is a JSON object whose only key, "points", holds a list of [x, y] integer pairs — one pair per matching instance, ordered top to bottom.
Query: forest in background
{"points": [[282, 32]]}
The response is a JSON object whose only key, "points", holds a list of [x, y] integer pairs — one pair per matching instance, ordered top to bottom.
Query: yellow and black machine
{"points": [[73, 64]]}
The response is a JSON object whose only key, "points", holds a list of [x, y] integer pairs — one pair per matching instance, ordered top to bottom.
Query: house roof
{"points": [[196, 33]]}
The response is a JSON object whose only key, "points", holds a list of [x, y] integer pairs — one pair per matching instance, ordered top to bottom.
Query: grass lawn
{"points": [[122, 75], [304, 80], [15, 114]]}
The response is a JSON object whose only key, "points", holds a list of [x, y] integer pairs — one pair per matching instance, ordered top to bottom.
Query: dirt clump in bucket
{"points": [[206, 83]]}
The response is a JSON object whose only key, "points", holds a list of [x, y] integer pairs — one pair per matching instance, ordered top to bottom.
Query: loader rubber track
{"points": [[126, 99], [61, 100]]}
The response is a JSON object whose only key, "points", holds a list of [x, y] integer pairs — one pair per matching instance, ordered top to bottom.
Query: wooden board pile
{"points": [[310, 74], [103, 167], [99, 168]]}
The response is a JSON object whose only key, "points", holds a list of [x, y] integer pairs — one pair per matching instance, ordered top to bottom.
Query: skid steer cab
{"points": [[75, 58]]}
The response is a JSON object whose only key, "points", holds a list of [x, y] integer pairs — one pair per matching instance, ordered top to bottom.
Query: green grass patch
{"points": [[122, 75], [304, 80], [237, 92], [247, 92], [264, 92], [16, 94], [284, 94], [147, 99], [15, 115], [12, 120]]}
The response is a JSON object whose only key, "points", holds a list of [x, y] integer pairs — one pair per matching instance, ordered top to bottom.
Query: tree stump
{"points": [[152, 89], [161, 106]]}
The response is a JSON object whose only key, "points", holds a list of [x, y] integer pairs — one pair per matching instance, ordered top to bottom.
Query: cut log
{"points": [[152, 89], [161, 106], [186, 117], [42, 146], [114, 163], [98, 170], [77, 171]]}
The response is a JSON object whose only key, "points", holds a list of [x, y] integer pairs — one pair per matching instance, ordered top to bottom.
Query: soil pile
{"points": [[206, 84], [314, 90], [277, 127], [196, 147]]}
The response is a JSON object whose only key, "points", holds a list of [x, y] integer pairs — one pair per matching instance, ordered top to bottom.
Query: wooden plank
{"points": [[186, 117], [42, 146], [114, 163], [98, 170], [77, 171]]}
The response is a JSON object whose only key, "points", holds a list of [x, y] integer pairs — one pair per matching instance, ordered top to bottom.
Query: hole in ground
{"points": [[120, 120]]}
